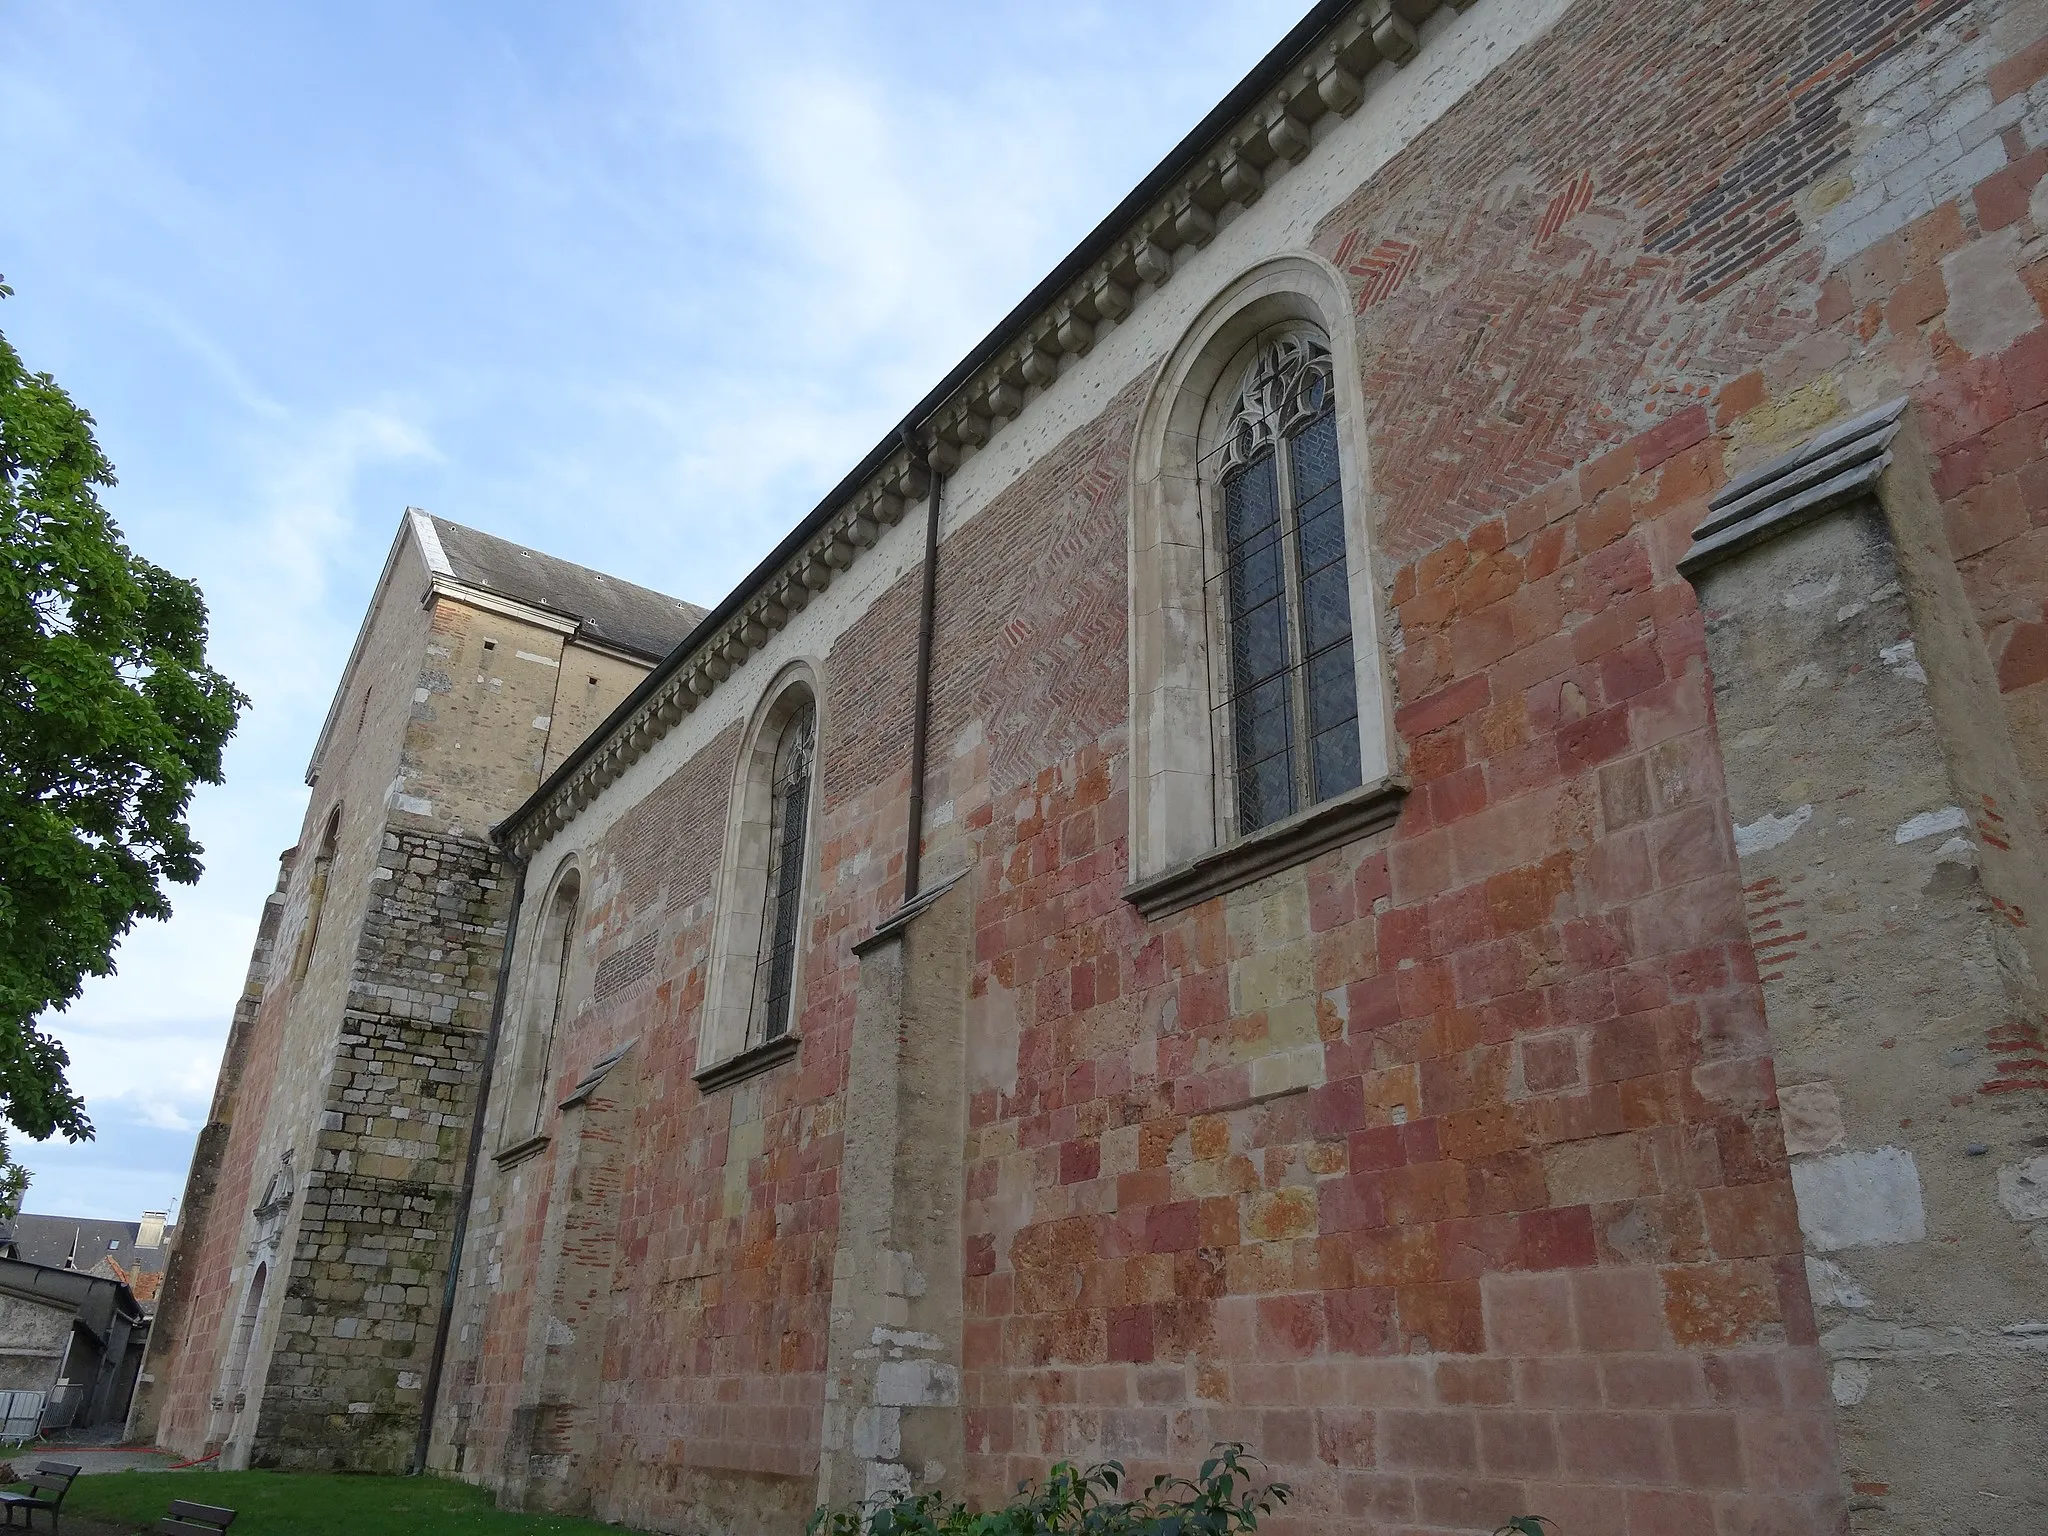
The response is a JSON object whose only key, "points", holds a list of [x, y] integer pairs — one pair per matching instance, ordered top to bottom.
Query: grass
{"points": [[316, 1504]]}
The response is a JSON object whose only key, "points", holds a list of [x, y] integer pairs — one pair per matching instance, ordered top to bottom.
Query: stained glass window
{"points": [[1292, 692], [775, 972]]}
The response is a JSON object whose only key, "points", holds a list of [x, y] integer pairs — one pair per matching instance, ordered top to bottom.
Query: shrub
{"points": [[1222, 1499]]}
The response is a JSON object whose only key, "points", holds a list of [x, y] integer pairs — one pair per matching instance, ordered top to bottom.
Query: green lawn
{"points": [[315, 1504]]}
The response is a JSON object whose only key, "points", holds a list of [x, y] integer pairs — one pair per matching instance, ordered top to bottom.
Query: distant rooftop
{"points": [[609, 611], [112, 1249]]}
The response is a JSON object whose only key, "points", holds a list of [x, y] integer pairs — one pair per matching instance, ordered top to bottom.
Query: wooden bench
{"points": [[48, 1484], [187, 1519]]}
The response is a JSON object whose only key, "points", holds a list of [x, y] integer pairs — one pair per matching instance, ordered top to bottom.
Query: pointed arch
{"points": [[1261, 727], [754, 998], [543, 1004]]}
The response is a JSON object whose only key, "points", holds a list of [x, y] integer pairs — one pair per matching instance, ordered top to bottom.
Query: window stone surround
{"points": [[1179, 761]]}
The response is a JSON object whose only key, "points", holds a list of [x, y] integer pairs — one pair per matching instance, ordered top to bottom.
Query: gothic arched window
{"points": [[1282, 593], [1261, 723], [775, 972], [753, 1000]]}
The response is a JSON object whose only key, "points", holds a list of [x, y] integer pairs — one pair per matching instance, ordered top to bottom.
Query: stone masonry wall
{"points": [[1527, 1241], [365, 1284]]}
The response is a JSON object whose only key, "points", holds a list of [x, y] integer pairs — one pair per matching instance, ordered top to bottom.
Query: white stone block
{"points": [[2023, 1189], [1860, 1199]]}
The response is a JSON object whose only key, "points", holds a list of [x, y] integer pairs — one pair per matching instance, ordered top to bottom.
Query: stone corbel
{"points": [[1392, 33], [1286, 135], [1240, 179], [1192, 223], [1153, 261], [1112, 299], [1074, 335], [1039, 366]]}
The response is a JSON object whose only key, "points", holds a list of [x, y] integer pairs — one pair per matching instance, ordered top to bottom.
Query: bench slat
{"points": [[212, 1514]]}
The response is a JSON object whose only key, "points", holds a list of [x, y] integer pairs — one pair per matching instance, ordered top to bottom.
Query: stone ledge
{"points": [[1841, 465], [1367, 809], [748, 1063], [520, 1151]]}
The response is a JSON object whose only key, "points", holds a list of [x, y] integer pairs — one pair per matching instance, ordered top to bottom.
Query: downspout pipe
{"points": [[921, 703], [430, 1397]]}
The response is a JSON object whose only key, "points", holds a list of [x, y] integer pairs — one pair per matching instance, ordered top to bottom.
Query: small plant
{"points": [[1222, 1499], [1526, 1525]]}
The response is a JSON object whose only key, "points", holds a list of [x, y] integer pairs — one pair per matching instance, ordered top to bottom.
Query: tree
{"points": [[109, 716]]}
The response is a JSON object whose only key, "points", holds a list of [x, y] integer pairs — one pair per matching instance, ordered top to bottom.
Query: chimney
{"points": [[151, 1233]]}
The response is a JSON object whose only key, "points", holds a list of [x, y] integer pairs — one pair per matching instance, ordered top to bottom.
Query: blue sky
{"points": [[631, 283]]}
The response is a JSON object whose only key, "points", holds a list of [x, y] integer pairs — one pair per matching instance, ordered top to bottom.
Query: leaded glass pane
{"points": [[1258, 641], [1293, 686]]}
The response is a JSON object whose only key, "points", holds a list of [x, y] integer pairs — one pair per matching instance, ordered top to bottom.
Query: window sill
{"points": [[1367, 809], [747, 1064], [520, 1151]]}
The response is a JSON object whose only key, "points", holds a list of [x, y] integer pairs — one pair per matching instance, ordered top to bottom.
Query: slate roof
{"points": [[610, 611], [52, 1240]]}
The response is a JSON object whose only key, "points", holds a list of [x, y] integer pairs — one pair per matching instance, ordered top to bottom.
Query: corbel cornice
{"points": [[1264, 128]]}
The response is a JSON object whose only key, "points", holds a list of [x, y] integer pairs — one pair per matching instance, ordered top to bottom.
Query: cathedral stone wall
{"points": [[337, 1140], [1447, 1169]]}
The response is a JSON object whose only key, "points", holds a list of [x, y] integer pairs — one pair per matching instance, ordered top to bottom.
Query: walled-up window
{"points": [[1282, 589], [316, 896], [775, 972], [542, 1007], [245, 1333]]}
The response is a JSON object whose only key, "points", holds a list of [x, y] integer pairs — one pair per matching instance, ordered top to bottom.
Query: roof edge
{"points": [[1259, 131]]}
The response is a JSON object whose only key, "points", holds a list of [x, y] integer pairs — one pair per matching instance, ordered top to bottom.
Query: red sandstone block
{"points": [[2015, 74], [2003, 196], [2025, 367], [1745, 394], [1965, 402], [1660, 442], [1603, 474], [1984, 516], [1606, 520], [1446, 705], [1376, 1148], [1080, 1160], [1353, 1203], [1751, 1220], [1396, 1256], [1720, 1304], [1619, 1310], [1528, 1314], [1446, 1318], [1361, 1321], [1290, 1327], [1561, 1381], [1652, 1381], [1475, 1383], [1345, 1437], [1429, 1440], [1518, 1445], [1616, 1447], [1709, 1451], [1788, 1452], [1378, 1497], [1467, 1504], [1581, 1509], [1662, 1512]]}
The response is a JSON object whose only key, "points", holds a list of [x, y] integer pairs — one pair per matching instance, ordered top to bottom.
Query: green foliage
{"points": [[109, 716], [1223, 1498], [312, 1504], [1526, 1525]]}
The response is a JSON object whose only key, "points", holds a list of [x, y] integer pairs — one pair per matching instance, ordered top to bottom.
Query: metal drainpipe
{"points": [[920, 720], [431, 1396]]}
